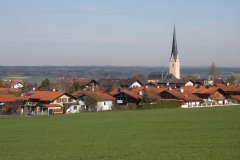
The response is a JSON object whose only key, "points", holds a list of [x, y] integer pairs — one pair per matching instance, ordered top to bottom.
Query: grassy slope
{"points": [[205, 133]]}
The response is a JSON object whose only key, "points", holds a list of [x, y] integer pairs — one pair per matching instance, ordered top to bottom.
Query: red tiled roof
{"points": [[11, 83], [190, 88], [230, 88], [7, 90], [156, 90], [205, 90], [130, 93], [46, 95], [98, 95], [186, 96], [237, 97], [8, 98], [23, 98]]}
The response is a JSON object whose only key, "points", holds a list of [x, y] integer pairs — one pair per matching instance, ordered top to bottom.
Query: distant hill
{"points": [[104, 71]]}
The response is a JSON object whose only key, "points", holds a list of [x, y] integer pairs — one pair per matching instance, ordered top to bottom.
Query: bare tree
{"points": [[213, 71]]}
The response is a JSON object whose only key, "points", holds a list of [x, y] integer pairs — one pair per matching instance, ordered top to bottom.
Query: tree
{"points": [[213, 71], [139, 77], [231, 79], [1, 83], [45, 84], [75, 86], [24, 88], [145, 97], [90, 102]]}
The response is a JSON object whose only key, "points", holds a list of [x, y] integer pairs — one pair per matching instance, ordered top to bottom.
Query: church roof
{"points": [[174, 53]]}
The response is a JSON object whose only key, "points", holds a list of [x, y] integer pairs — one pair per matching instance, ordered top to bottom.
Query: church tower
{"points": [[174, 63]]}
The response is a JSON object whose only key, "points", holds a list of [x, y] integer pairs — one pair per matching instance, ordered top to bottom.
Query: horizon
{"points": [[118, 33], [116, 66]]}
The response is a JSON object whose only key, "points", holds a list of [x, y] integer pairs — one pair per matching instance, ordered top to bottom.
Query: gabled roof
{"points": [[84, 81], [11, 83], [230, 88], [7, 90], [205, 90], [129, 93], [44, 95], [97, 95], [186, 96], [236, 97], [7, 98]]}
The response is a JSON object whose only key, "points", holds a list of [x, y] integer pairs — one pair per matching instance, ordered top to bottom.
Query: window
{"points": [[59, 100], [64, 100], [70, 100], [104, 103], [75, 107]]}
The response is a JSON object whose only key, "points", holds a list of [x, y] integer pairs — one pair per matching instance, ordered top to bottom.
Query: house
{"points": [[86, 82], [129, 83], [13, 84], [229, 90], [8, 91], [152, 92], [210, 95], [124, 97], [7, 98], [188, 99], [234, 99], [101, 101], [47, 102]]}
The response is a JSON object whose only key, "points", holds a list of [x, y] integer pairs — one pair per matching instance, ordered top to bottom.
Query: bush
{"points": [[161, 105], [129, 106]]}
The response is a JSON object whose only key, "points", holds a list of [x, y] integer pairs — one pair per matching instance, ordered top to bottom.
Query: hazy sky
{"points": [[119, 32]]}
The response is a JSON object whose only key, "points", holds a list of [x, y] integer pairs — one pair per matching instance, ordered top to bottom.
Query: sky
{"points": [[119, 32]]}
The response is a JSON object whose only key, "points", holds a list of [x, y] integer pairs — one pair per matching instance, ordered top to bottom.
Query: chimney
{"points": [[34, 89], [181, 89], [54, 90], [140, 93]]}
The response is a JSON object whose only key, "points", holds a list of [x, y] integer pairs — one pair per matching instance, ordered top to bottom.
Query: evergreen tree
{"points": [[45, 84]]}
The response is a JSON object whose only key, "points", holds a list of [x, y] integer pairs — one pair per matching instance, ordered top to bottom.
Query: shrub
{"points": [[161, 105]]}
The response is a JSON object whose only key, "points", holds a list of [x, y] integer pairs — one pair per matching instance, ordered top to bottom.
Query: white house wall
{"points": [[104, 105]]}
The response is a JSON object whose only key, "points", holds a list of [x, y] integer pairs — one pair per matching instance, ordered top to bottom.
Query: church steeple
{"points": [[174, 53], [174, 63]]}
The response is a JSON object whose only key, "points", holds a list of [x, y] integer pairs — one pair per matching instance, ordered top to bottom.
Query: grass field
{"points": [[204, 133]]}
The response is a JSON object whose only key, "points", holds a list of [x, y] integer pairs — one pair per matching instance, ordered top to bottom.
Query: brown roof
{"points": [[11, 83], [230, 88], [7, 90], [205, 90], [130, 93], [46, 95], [97, 95], [186, 96], [237, 97], [8, 98]]}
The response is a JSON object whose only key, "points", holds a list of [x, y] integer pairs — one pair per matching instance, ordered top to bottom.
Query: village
{"points": [[75, 95]]}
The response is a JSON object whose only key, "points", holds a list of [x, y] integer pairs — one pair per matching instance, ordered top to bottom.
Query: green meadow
{"points": [[192, 134]]}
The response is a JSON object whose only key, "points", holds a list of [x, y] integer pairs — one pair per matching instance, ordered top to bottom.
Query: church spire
{"points": [[174, 53]]}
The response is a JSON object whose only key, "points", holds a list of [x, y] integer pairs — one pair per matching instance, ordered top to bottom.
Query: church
{"points": [[174, 63], [173, 73]]}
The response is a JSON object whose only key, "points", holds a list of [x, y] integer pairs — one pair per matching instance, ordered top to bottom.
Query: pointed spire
{"points": [[174, 53]]}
